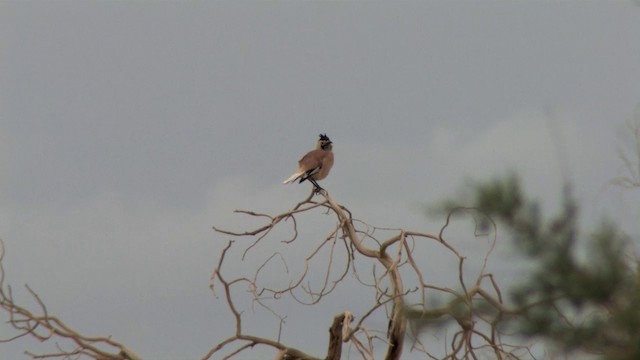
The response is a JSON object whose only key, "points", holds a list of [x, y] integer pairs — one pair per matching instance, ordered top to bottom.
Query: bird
{"points": [[316, 164]]}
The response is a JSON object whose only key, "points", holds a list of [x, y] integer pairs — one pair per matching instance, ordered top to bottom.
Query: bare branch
{"points": [[45, 327], [477, 330]]}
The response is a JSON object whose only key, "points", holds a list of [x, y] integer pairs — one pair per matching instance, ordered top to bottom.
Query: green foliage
{"points": [[501, 197], [590, 302], [577, 304]]}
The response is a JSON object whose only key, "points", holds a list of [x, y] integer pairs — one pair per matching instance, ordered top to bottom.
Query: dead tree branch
{"points": [[45, 327], [477, 330]]}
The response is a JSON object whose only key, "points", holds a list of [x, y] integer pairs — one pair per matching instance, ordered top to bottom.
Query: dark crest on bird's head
{"points": [[324, 142]]}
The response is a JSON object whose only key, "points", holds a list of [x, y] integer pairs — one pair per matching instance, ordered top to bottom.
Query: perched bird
{"points": [[316, 164]]}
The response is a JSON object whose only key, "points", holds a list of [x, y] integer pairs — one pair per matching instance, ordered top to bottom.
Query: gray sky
{"points": [[128, 129]]}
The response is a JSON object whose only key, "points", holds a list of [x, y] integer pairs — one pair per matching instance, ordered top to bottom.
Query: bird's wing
{"points": [[311, 161], [310, 164]]}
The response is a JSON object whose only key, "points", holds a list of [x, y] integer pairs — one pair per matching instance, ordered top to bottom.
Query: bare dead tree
{"points": [[476, 308], [70, 344]]}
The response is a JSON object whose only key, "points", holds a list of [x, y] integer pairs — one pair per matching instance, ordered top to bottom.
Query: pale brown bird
{"points": [[316, 164]]}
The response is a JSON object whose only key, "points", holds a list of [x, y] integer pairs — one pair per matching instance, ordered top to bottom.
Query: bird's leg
{"points": [[315, 184]]}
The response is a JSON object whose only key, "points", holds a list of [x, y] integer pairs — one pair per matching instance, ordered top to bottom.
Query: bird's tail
{"points": [[293, 177]]}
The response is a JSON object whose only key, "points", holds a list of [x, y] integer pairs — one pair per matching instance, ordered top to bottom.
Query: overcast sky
{"points": [[129, 129]]}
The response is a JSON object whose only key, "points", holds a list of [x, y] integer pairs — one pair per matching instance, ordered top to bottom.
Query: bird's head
{"points": [[324, 142]]}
